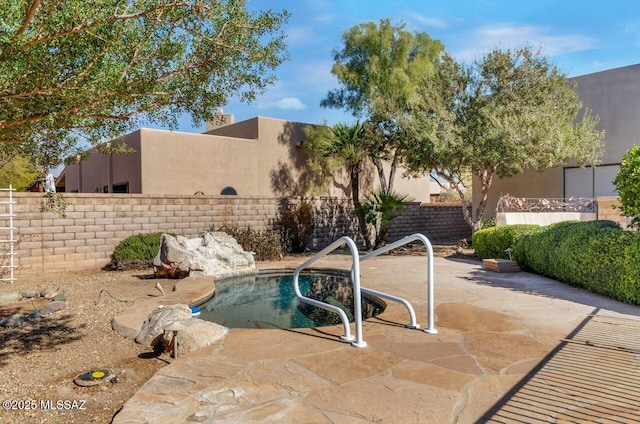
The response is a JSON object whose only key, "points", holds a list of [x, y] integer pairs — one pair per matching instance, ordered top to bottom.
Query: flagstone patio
{"points": [[510, 348]]}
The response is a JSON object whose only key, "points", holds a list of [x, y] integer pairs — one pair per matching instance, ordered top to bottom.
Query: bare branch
{"points": [[28, 17]]}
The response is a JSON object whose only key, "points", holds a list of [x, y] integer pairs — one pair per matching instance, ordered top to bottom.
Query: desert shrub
{"points": [[379, 209], [296, 224], [493, 241], [265, 244], [135, 252], [596, 255]]}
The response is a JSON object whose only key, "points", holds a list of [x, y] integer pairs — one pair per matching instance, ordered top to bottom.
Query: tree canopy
{"points": [[378, 68], [78, 71], [510, 110], [627, 184]]}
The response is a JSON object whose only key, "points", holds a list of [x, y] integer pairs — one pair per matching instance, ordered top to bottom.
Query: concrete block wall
{"points": [[607, 211], [437, 221], [96, 223]]}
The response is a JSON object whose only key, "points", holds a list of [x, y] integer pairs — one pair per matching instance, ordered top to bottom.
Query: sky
{"points": [[580, 37]]}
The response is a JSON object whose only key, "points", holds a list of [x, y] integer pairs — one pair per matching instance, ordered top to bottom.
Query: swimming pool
{"points": [[268, 300]]}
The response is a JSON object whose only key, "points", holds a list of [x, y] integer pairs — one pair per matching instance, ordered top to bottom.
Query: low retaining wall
{"points": [[606, 210], [542, 218], [96, 223]]}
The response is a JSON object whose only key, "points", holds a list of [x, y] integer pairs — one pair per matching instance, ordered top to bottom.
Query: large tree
{"points": [[378, 68], [77, 71], [510, 110]]}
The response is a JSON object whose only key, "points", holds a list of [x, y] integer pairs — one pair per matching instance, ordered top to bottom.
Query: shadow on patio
{"points": [[592, 376]]}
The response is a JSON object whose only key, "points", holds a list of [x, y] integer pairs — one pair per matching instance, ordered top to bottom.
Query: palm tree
{"points": [[346, 146]]}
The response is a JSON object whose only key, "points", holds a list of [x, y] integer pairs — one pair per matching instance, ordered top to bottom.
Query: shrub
{"points": [[627, 184], [379, 209], [296, 224], [493, 241], [265, 244], [135, 252], [595, 255]]}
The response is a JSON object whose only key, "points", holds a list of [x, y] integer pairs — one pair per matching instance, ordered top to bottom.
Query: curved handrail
{"points": [[406, 240], [355, 278]]}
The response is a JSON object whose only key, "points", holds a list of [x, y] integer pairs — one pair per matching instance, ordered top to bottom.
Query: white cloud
{"points": [[428, 21], [508, 36], [287, 103], [290, 103]]}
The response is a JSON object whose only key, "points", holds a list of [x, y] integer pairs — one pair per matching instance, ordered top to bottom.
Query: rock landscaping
{"points": [[57, 303]]}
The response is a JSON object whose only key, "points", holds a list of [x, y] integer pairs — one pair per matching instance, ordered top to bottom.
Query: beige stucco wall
{"points": [[614, 96], [257, 157], [95, 169], [528, 184]]}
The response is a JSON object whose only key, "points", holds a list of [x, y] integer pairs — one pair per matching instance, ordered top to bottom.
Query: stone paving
{"points": [[510, 348]]}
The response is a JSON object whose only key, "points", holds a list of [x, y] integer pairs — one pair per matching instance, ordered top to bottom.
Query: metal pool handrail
{"points": [[406, 240], [355, 277]]}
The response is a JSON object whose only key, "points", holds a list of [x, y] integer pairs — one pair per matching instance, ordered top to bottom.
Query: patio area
{"points": [[510, 348]]}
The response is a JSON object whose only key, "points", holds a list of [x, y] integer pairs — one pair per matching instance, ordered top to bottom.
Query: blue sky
{"points": [[581, 37]]}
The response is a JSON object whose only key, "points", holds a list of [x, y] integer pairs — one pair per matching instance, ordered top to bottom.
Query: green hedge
{"points": [[493, 241], [595, 255]]}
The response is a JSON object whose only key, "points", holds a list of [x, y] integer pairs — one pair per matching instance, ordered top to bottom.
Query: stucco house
{"points": [[613, 95], [256, 157]]}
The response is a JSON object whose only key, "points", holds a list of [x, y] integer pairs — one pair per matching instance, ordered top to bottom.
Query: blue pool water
{"points": [[268, 300]]}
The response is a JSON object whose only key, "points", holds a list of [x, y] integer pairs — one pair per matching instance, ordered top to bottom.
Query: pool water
{"points": [[268, 300]]}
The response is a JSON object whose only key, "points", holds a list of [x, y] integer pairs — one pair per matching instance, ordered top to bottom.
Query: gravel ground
{"points": [[39, 361]]}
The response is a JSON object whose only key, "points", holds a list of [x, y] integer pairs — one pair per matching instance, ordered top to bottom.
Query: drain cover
{"points": [[94, 377]]}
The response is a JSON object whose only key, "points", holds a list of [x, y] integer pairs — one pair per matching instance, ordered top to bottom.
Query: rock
{"points": [[214, 254], [48, 292], [30, 293], [10, 297], [61, 297], [52, 307], [13, 320], [153, 327], [195, 334]]}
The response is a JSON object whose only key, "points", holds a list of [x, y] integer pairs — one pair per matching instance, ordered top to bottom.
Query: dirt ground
{"points": [[40, 359]]}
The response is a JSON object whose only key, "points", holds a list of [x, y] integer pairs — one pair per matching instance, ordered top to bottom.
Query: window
{"points": [[121, 188], [229, 191]]}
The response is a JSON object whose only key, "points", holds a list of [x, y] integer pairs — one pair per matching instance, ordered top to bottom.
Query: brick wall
{"points": [[437, 221], [95, 224]]}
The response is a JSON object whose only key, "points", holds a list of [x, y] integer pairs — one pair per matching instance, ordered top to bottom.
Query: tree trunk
{"points": [[392, 172], [383, 180], [386, 187], [355, 196]]}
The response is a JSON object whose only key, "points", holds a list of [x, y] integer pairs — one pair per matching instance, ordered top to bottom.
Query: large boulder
{"points": [[214, 254], [153, 328], [193, 334]]}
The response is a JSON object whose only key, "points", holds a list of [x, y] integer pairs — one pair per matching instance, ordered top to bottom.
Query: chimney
{"points": [[220, 119]]}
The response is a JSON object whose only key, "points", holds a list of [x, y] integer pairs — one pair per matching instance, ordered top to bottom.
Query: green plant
{"points": [[627, 183], [54, 202], [379, 209], [488, 223], [296, 224], [493, 242], [265, 244], [135, 252], [596, 255]]}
